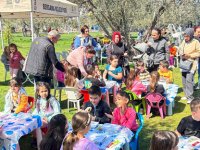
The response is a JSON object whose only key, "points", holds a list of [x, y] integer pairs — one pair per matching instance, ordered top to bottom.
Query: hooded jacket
{"points": [[191, 48], [160, 50]]}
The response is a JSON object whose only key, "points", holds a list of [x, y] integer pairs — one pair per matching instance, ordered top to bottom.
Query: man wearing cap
{"points": [[41, 57]]}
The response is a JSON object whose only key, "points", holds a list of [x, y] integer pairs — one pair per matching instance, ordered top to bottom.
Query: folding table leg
{"points": [[169, 109], [39, 137]]}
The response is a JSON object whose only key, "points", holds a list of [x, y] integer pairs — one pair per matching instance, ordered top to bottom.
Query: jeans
{"points": [[171, 60], [187, 81]]}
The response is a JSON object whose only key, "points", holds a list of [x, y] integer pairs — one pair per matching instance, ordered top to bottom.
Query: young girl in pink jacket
{"points": [[15, 58], [134, 84], [123, 115]]}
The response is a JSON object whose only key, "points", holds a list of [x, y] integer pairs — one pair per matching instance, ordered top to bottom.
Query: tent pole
{"points": [[78, 21], [1, 27], [32, 29]]}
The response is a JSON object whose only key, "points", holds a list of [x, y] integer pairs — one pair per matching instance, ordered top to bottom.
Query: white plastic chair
{"points": [[102, 57], [71, 95]]}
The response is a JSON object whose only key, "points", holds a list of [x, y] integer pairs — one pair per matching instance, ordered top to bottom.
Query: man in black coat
{"points": [[42, 58]]}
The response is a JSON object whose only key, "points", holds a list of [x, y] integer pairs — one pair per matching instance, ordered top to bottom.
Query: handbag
{"points": [[150, 62], [185, 64]]}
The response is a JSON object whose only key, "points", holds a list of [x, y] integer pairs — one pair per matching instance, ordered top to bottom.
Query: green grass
{"points": [[156, 123]]}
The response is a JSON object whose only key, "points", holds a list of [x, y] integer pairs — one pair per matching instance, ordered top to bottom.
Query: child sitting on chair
{"points": [[97, 71], [113, 72], [164, 72], [143, 73], [60, 76], [71, 80], [90, 80], [134, 84], [153, 85], [16, 100], [46, 105], [96, 106], [123, 115], [190, 125], [58, 127], [76, 140], [167, 140]]}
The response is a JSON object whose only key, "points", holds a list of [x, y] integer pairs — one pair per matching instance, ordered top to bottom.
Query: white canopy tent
{"points": [[16, 9]]}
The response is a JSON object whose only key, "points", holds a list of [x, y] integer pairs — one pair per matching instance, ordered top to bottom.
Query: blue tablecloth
{"points": [[16, 126], [109, 136], [191, 143]]}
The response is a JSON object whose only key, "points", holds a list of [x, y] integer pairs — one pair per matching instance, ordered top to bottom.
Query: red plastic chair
{"points": [[85, 95], [156, 100], [31, 102]]}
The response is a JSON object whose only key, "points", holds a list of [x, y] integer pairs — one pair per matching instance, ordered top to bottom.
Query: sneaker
{"points": [[184, 98]]}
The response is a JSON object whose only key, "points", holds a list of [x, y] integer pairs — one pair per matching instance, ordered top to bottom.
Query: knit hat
{"points": [[189, 32]]}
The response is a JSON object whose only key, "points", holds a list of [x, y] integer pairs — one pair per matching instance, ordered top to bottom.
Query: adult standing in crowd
{"points": [[197, 36], [84, 39], [118, 48], [189, 50], [157, 51], [41, 57], [80, 57]]}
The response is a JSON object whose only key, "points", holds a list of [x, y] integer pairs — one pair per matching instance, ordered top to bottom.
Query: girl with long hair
{"points": [[153, 85], [56, 132], [76, 140]]}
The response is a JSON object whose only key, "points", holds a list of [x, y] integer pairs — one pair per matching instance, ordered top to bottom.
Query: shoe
{"points": [[184, 98]]}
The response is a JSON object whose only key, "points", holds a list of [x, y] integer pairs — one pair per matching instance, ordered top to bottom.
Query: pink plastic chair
{"points": [[156, 100]]}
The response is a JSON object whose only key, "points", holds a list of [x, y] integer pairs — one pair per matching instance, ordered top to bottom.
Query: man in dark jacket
{"points": [[42, 56], [97, 107]]}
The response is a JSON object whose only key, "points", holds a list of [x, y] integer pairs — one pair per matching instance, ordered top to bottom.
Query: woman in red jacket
{"points": [[15, 58]]}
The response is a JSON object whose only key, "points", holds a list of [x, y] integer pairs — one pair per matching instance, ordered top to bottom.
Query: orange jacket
{"points": [[172, 51], [23, 104]]}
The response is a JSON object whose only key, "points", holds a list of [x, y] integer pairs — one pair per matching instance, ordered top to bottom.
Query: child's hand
{"points": [[11, 55], [110, 73], [168, 81], [88, 109], [109, 116], [93, 118], [44, 122]]}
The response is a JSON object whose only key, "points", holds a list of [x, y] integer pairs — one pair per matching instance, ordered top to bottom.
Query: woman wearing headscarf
{"points": [[118, 48], [158, 49], [189, 50]]}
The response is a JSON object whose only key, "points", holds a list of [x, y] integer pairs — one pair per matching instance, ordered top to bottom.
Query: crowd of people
{"points": [[81, 72]]}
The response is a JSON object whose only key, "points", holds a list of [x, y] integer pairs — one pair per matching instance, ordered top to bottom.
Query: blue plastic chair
{"points": [[134, 144]]}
